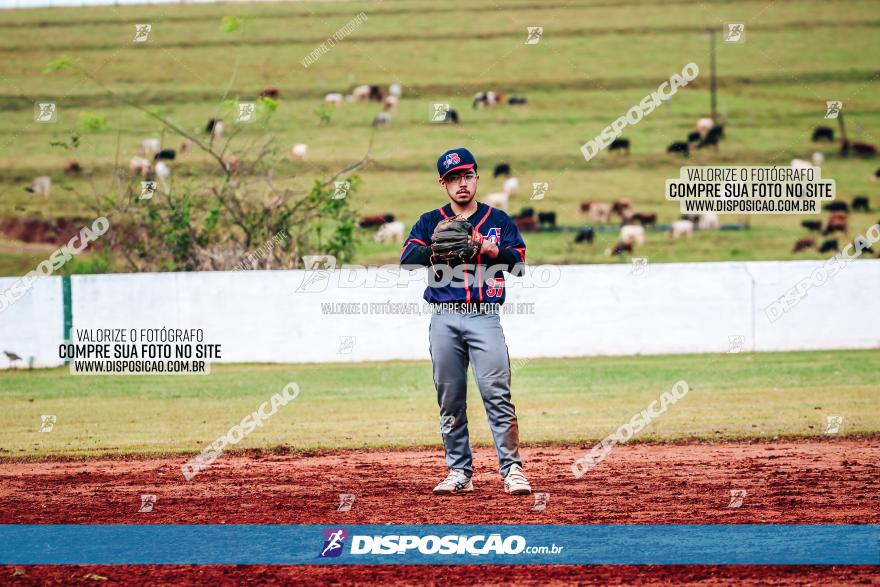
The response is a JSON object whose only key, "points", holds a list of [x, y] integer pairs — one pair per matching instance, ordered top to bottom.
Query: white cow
{"points": [[149, 147], [299, 151], [709, 221], [681, 227], [390, 232], [632, 233]]}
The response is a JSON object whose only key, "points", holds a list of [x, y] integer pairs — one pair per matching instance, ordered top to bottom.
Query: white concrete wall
{"points": [[258, 316]]}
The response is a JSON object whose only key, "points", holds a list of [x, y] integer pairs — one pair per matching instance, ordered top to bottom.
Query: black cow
{"points": [[823, 133], [619, 145], [679, 147], [502, 169], [861, 203], [837, 207], [548, 218], [812, 225], [585, 235], [828, 246]]}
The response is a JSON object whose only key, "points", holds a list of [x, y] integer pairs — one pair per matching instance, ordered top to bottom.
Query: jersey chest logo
{"points": [[494, 236]]}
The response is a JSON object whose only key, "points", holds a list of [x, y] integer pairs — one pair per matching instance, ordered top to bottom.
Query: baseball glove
{"points": [[454, 241]]}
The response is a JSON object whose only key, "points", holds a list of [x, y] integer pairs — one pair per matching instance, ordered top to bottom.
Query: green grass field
{"points": [[594, 61], [393, 404]]}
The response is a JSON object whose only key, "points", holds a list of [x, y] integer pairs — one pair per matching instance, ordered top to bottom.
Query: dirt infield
{"points": [[793, 481]]}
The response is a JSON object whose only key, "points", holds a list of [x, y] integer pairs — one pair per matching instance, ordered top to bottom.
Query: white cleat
{"points": [[456, 482], [516, 483]]}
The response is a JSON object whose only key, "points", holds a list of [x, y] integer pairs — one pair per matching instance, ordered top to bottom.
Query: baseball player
{"points": [[468, 246]]}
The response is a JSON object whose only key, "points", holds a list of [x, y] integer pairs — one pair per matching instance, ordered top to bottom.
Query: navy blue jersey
{"points": [[483, 279]]}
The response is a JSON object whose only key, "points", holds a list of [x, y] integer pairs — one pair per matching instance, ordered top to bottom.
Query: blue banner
{"points": [[440, 544]]}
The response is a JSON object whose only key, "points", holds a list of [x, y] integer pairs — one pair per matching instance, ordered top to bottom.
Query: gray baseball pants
{"points": [[458, 339]]}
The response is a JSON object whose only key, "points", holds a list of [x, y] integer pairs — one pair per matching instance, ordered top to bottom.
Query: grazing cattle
{"points": [[395, 90], [271, 92], [360, 94], [377, 94], [335, 99], [486, 99], [517, 101], [390, 104], [451, 117], [382, 119], [703, 126], [214, 128], [823, 133], [694, 137], [619, 145], [185, 146], [149, 147], [679, 147], [299, 151], [166, 154], [818, 159], [230, 163], [139, 166], [72, 167], [501, 169], [163, 174], [41, 185], [511, 185], [498, 200], [861, 203], [621, 207], [837, 207], [596, 211], [526, 213], [547, 218], [643, 218], [373, 221], [709, 221], [836, 222], [526, 224], [812, 225], [681, 228], [390, 232], [630, 233], [585, 235], [804, 244], [828, 246], [620, 248]]}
